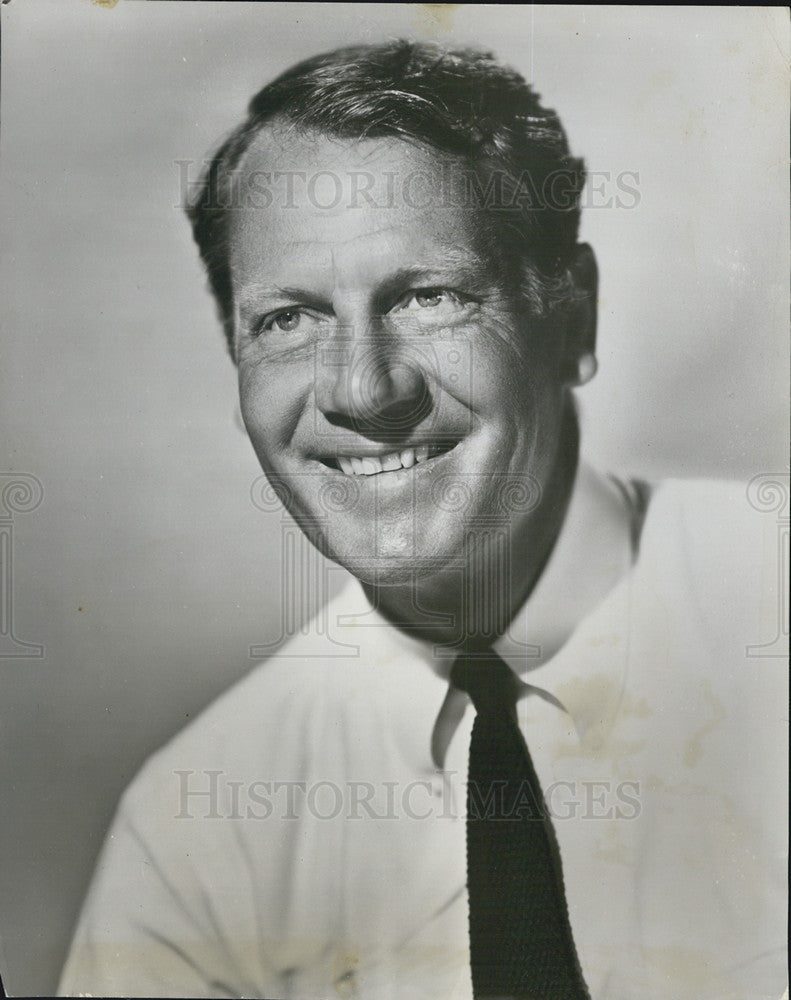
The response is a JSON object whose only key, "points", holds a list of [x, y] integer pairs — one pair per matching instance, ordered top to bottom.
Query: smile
{"points": [[374, 465]]}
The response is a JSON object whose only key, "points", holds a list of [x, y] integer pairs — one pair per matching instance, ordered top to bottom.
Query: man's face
{"points": [[391, 382]]}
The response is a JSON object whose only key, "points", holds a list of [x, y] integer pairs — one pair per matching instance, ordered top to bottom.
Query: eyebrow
{"points": [[458, 266], [466, 272], [252, 298]]}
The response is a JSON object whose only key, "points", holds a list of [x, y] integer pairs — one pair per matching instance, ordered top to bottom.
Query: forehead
{"points": [[310, 202]]}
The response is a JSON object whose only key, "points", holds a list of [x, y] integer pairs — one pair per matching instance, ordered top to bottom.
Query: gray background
{"points": [[147, 571]]}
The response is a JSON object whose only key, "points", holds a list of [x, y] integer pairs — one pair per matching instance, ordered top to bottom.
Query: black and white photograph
{"points": [[394, 500]]}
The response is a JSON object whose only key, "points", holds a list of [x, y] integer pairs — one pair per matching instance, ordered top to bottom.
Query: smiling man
{"points": [[383, 341], [527, 756]]}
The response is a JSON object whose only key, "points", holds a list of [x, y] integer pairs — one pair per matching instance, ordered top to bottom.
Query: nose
{"points": [[372, 384]]}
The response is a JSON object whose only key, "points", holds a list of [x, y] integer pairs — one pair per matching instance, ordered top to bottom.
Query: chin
{"points": [[390, 553], [390, 568]]}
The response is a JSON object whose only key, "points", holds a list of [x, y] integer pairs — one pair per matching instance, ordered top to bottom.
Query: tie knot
{"points": [[487, 680]]}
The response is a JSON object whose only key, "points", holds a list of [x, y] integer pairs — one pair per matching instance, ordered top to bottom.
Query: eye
{"points": [[429, 297], [432, 298], [434, 305], [285, 321]]}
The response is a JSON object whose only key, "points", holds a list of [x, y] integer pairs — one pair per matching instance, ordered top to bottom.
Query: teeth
{"points": [[372, 465]]}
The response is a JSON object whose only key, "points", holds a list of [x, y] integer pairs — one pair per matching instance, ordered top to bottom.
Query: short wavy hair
{"points": [[460, 102]]}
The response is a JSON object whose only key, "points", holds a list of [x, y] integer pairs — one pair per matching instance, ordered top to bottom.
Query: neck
{"points": [[500, 569]]}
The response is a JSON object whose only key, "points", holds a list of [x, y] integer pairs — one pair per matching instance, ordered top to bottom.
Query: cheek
{"points": [[510, 361], [509, 383], [273, 399]]}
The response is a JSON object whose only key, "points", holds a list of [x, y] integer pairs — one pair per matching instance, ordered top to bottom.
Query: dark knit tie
{"points": [[521, 945]]}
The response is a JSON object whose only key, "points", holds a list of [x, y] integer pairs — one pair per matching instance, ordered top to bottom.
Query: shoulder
{"points": [[702, 509], [707, 537], [705, 597], [705, 608], [345, 682], [262, 725]]}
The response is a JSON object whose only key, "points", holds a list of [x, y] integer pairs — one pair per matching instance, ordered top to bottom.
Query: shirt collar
{"points": [[560, 650], [566, 659]]}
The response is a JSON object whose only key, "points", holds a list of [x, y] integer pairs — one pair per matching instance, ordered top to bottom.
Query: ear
{"points": [[579, 362]]}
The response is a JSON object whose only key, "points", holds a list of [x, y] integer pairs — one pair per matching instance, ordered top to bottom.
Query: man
{"points": [[391, 237]]}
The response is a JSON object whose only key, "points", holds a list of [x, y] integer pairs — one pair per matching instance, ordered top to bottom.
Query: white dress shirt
{"points": [[305, 836]]}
